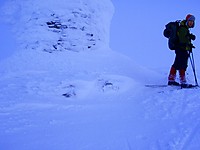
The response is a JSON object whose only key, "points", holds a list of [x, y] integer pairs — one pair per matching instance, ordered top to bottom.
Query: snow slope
{"points": [[63, 90]]}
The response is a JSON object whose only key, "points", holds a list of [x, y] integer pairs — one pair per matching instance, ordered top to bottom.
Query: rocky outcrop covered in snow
{"points": [[62, 25]]}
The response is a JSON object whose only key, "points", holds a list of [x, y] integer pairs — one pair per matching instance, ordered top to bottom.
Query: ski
{"points": [[156, 85], [186, 86]]}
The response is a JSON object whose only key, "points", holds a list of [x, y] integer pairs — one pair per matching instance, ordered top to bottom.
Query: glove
{"points": [[192, 37], [191, 46]]}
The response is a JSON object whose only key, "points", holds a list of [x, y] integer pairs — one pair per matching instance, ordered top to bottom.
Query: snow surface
{"points": [[65, 89]]}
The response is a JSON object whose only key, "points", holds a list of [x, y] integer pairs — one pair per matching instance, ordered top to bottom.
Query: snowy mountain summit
{"points": [[68, 43]]}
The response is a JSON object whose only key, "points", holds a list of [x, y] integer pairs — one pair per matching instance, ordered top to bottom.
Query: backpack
{"points": [[170, 32]]}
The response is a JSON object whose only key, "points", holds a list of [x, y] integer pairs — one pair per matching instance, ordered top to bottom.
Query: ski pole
{"points": [[193, 67]]}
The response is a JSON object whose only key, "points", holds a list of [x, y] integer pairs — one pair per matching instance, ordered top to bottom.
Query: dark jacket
{"points": [[183, 34]]}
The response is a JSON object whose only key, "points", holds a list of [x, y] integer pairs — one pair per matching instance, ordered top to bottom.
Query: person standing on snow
{"points": [[182, 51]]}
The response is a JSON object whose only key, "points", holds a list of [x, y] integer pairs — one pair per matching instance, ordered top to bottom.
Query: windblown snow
{"points": [[65, 89]]}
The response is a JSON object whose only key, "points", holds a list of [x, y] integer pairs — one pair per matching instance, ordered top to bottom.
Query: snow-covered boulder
{"points": [[61, 25]]}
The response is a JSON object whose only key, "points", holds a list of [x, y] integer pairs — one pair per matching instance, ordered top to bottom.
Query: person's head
{"points": [[190, 19]]}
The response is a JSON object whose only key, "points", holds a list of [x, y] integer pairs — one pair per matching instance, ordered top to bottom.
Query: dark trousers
{"points": [[181, 59]]}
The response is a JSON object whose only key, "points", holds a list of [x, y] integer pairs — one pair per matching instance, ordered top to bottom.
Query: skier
{"points": [[184, 47]]}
